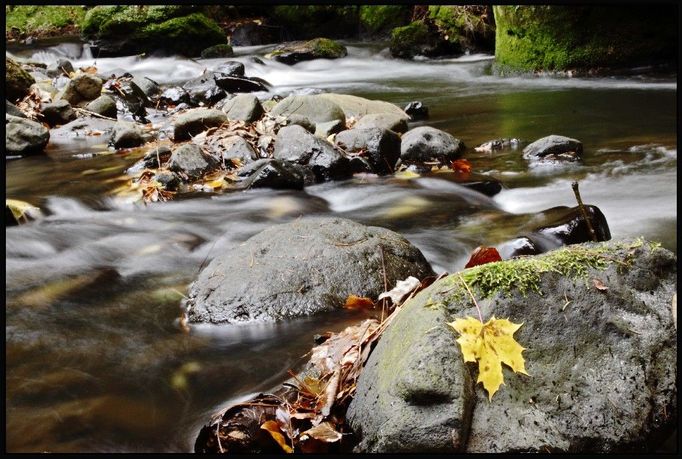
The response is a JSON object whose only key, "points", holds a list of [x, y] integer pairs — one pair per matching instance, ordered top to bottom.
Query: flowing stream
{"points": [[95, 358]]}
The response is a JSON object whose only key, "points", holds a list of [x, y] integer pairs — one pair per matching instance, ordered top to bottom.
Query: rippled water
{"points": [[95, 360]]}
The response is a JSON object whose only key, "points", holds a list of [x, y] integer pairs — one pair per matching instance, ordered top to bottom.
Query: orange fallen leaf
{"points": [[461, 166], [483, 255], [358, 302], [273, 429]]}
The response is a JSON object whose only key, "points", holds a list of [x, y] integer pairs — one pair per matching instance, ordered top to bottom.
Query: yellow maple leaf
{"points": [[491, 344]]}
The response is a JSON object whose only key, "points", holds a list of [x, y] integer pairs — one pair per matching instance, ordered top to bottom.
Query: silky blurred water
{"points": [[95, 359]]}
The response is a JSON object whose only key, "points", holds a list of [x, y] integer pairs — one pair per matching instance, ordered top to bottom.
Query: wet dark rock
{"points": [[254, 34], [318, 48], [221, 50], [59, 68], [229, 68], [17, 80], [234, 84], [149, 87], [82, 88], [204, 90], [174, 96], [132, 97], [103, 105], [244, 107], [315, 108], [11, 109], [417, 111], [59, 112], [197, 120], [388, 121], [328, 128], [126, 135], [24, 137], [424, 144], [297, 145], [236, 147], [380, 147], [554, 147], [161, 153], [190, 160], [360, 165], [277, 174], [168, 179], [489, 187], [567, 224], [301, 268], [604, 354]]}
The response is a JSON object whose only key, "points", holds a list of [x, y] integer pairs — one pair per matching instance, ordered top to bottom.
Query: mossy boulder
{"points": [[43, 20], [378, 20], [302, 22], [470, 26], [121, 30], [558, 37], [421, 38], [317, 48], [221, 50], [17, 80], [602, 359]]}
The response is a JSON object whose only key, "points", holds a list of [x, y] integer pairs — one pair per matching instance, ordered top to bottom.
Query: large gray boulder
{"points": [[317, 48], [17, 80], [82, 88], [104, 105], [243, 107], [357, 107], [315, 108], [57, 113], [195, 121], [390, 121], [126, 135], [24, 136], [295, 144], [424, 144], [380, 147], [554, 147], [190, 160], [275, 173], [301, 268], [601, 352]]}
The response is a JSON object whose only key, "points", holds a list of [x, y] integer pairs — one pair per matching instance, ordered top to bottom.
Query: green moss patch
{"points": [[380, 19], [42, 20], [523, 274]]}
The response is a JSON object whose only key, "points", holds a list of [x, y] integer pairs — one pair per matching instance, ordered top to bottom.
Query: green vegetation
{"points": [[380, 19], [42, 20], [468, 25], [567, 37], [407, 41], [326, 48], [222, 50], [17, 80], [523, 274]]}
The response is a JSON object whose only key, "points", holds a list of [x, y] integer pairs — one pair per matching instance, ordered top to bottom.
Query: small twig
{"points": [[97, 115], [574, 185], [480, 316], [217, 436]]}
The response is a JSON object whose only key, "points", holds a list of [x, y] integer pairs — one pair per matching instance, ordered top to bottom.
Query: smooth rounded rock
{"points": [[243, 107], [58, 112], [195, 121], [390, 121], [24, 136], [425, 144], [380, 147], [554, 147], [190, 160], [301, 268]]}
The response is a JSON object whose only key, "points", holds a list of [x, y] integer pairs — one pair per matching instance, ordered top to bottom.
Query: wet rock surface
{"points": [[318, 48], [244, 107], [59, 112], [192, 122], [24, 137], [427, 144], [380, 147], [554, 147], [191, 161], [301, 268], [609, 351]]}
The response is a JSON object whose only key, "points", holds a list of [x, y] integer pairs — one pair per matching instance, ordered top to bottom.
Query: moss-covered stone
{"points": [[380, 19], [42, 20], [471, 26], [135, 29], [584, 37], [420, 38], [317, 48], [222, 50], [17, 80]]}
